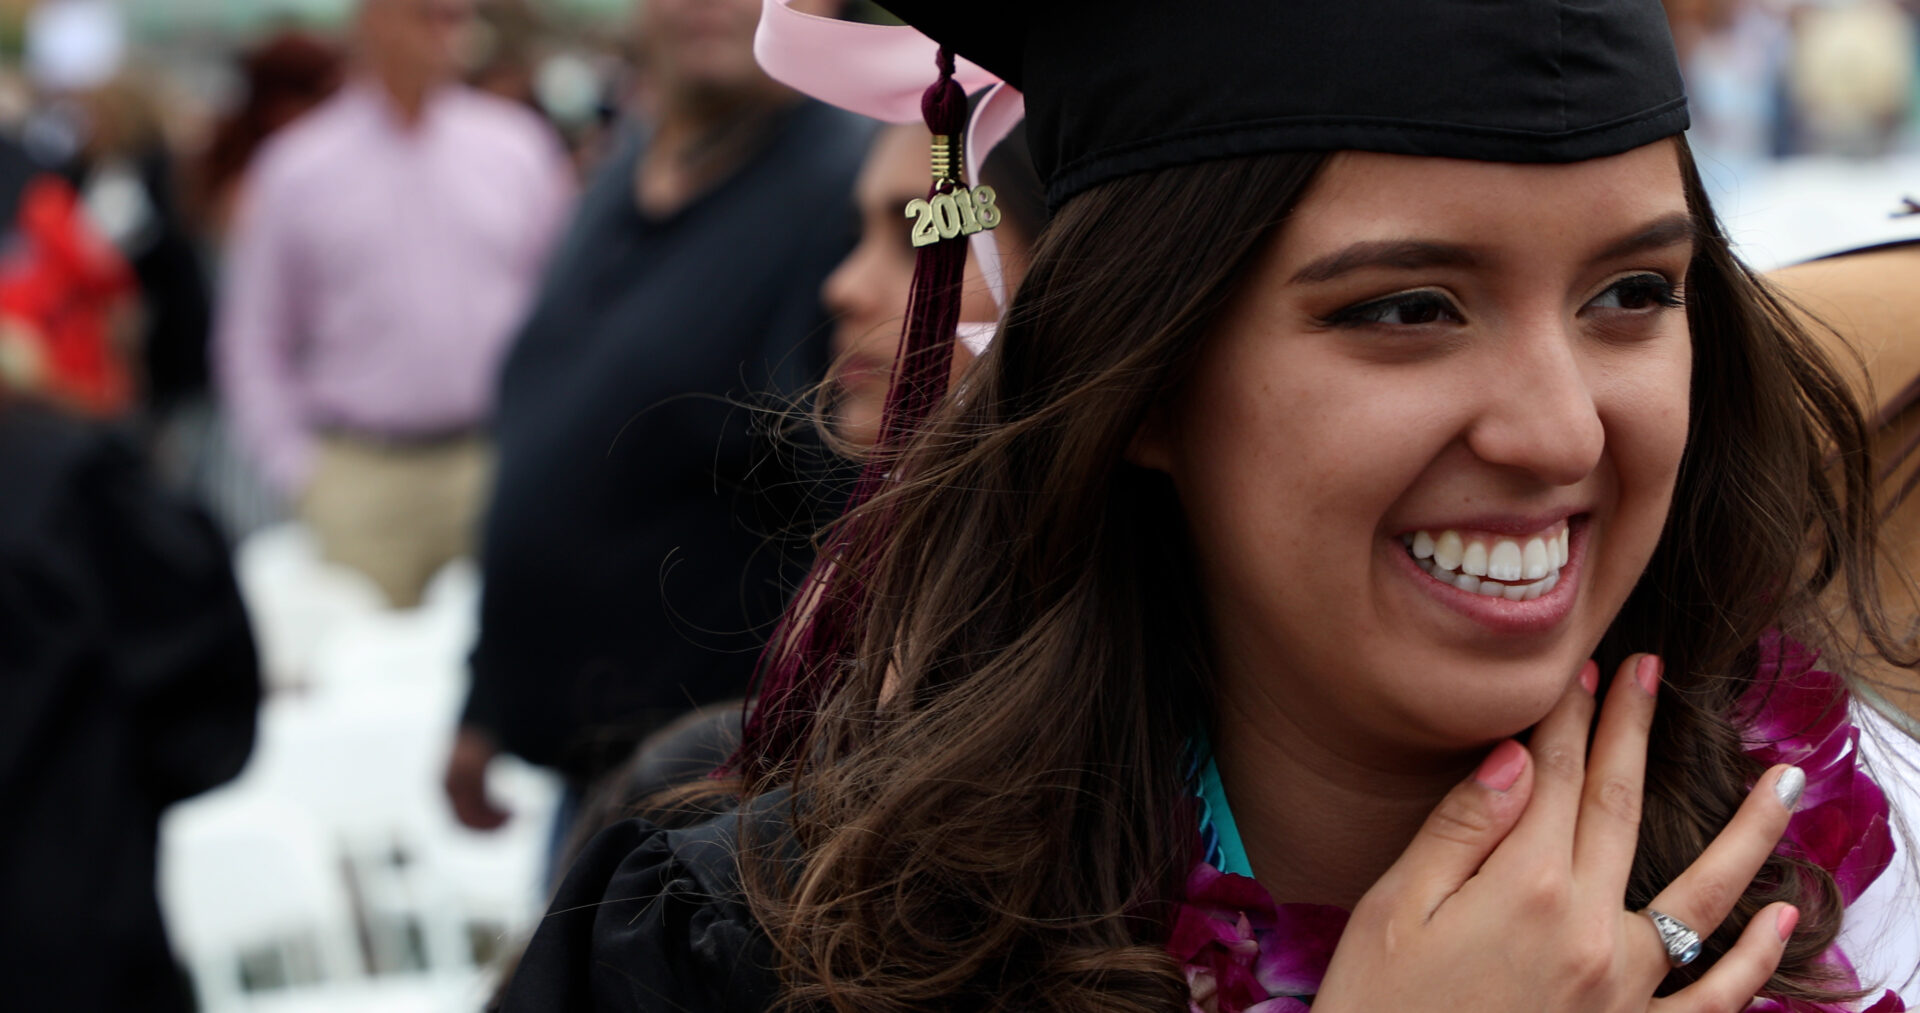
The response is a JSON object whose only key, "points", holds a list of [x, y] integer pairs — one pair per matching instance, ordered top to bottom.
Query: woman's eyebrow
{"points": [[1671, 229], [1398, 254], [1413, 254]]}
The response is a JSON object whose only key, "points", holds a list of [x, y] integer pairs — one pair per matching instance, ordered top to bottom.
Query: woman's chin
{"points": [[856, 420], [1466, 706]]}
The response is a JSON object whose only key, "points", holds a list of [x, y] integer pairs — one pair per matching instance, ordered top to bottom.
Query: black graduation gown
{"points": [[128, 681], [653, 919]]}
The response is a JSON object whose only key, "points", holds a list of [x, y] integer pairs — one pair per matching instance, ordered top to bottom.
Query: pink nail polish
{"points": [[1647, 673], [1590, 677], [1502, 767], [1784, 922]]}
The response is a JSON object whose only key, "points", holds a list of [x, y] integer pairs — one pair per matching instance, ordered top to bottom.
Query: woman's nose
{"points": [[841, 292], [1538, 411]]}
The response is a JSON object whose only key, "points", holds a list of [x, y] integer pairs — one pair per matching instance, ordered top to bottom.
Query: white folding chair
{"points": [[296, 599], [375, 654], [365, 767], [246, 883], [490, 887]]}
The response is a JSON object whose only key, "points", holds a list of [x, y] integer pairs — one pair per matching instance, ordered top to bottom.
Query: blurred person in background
{"points": [[509, 52], [1733, 54], [1851, 76], [285, 77], [97, 123], [124, 171], [387, 247], [867, 292], [867, 296], [67, 297], [629, 568], [128, 679], [129, 683]]}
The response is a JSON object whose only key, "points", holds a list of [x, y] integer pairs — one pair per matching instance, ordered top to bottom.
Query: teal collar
{"points": [[1229, 854]]}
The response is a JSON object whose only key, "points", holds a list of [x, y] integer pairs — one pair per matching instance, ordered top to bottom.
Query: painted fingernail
{"points": [[1647, 673], [1590, 677], [1502, 767], [1791, 783], [1784, 922]]}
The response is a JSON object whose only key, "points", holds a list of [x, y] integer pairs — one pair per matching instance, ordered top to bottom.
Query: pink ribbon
{"points": [[880, 71], [994, 117]]}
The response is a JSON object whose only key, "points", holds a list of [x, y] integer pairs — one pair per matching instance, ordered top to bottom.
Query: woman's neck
{"points": [[1321, 813]]}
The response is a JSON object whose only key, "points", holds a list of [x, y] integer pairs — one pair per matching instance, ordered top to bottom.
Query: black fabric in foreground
{"points": [[128, 681], [651, 919]]}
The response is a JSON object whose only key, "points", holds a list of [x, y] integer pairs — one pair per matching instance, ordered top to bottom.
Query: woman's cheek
{"points": [[1644, 401], [1666, 418], [1647, 422]]}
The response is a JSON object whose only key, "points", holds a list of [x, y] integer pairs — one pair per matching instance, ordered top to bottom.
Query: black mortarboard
{"points": [[1123, 87]]}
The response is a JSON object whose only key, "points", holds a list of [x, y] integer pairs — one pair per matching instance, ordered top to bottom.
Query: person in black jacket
{"points": [[631, 559], [128, 681]]}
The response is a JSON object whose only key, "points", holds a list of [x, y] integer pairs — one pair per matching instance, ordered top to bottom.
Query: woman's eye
{"points": [[1639, 292], [1409, 309]]}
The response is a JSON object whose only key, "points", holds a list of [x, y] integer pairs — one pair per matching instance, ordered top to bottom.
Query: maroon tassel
{"points": [[802, 664]]}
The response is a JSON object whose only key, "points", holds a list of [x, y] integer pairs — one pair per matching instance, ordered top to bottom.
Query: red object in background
{"points": [[61, 284]]}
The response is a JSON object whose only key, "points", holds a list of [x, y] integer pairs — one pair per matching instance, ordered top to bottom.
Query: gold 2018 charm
{"points": [[958, 212]]}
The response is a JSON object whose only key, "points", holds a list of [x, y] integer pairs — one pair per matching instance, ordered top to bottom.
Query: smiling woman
{"points": [[1501, 367], [1290, 435], [1370, 567]]}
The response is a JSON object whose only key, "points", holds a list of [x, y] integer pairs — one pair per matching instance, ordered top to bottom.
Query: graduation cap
{"points": [[1129, 86], [1124, 87]]}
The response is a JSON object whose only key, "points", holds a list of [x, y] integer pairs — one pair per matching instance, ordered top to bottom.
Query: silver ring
{"points": [[1682, 943]]}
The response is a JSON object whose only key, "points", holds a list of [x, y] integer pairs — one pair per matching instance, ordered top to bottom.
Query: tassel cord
{"points": [[806, 659]]}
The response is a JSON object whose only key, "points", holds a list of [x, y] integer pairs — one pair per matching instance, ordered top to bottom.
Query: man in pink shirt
{"points": [[385, 252]]}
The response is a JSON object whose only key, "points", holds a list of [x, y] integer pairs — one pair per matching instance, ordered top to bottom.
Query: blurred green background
{"points": [[169, 20]]}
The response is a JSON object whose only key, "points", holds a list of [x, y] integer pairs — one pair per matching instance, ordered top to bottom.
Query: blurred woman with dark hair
{"points": [[286, 76], [867, 293]]}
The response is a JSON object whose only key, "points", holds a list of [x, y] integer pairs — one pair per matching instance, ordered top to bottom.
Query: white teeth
{"points": [[1536, 559], [1474, 560], [1504, 562], [1505, 569], [1493, 588]]}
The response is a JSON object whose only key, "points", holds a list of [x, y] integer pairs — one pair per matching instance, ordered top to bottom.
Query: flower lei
{"points": [[1243, 953]]}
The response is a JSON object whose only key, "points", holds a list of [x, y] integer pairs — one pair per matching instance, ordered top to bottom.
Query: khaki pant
{"points": [[396, 513]]}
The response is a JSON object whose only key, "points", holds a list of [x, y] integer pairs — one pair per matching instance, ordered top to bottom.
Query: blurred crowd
{"points": [[1771, 79], [463, 279]]}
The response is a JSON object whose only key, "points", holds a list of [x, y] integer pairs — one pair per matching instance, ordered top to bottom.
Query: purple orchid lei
{"points": [[1243, 953]]}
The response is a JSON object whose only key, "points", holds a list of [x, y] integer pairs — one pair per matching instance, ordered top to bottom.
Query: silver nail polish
{"points": [[1792, 782]]}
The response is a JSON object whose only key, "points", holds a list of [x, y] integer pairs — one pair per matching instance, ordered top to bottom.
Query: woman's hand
{"points": [[1510, 897]]}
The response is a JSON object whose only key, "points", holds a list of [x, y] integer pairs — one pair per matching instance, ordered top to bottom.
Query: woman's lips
{"points": [[856, 372], [1536, 584]]}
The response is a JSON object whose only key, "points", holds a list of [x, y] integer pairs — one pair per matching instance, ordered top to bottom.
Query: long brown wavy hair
{"points": [[995, 799]]}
